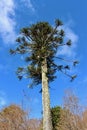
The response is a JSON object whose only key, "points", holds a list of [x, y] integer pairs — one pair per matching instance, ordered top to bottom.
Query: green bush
{"points": [[55, 113]]}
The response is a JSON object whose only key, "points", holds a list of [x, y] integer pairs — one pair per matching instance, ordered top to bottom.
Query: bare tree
{"points": [[71, 115], [12, 118]]}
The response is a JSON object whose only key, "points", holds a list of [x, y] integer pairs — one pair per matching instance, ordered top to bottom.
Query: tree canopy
{"points": [[37, 42]]}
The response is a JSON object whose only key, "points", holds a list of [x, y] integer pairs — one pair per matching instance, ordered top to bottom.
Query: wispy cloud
{"points": [[29, 4], [7, 22], [69, 34], [3, 101]]}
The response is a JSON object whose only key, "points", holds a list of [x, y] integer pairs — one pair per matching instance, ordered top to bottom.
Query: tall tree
{"points": [[39, 43]]}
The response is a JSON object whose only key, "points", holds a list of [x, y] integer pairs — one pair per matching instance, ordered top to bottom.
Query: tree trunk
{"points": [[47, 122]]}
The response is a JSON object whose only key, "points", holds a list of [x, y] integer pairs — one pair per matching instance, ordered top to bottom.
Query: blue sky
{"points": [[15, 14]]}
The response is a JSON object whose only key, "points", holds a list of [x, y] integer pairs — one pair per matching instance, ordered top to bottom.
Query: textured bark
{"points": [[47, 122]]}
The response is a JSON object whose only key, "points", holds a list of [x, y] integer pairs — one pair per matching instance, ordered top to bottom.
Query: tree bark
{"points": [[47, 122]]}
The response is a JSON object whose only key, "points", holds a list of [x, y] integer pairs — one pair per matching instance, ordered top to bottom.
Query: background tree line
{"points": [[71, 116]]}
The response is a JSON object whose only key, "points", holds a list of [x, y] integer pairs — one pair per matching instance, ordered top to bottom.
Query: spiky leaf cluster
{"points": [[37, 42]]}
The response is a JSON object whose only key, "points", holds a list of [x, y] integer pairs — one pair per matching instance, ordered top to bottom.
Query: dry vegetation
{"points": [[72, 117], [14, 118]]}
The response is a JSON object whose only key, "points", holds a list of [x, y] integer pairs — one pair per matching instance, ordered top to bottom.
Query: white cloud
{"points": [[29, 4], [7, 22], [69, 34]]}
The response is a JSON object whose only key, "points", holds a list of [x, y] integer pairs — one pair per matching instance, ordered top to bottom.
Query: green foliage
{"points": [[58, 22], [38, 42], [69, 43], [56, 114]]}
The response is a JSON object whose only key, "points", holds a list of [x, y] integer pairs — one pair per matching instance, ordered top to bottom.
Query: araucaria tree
{"points": [[39, 43]]}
